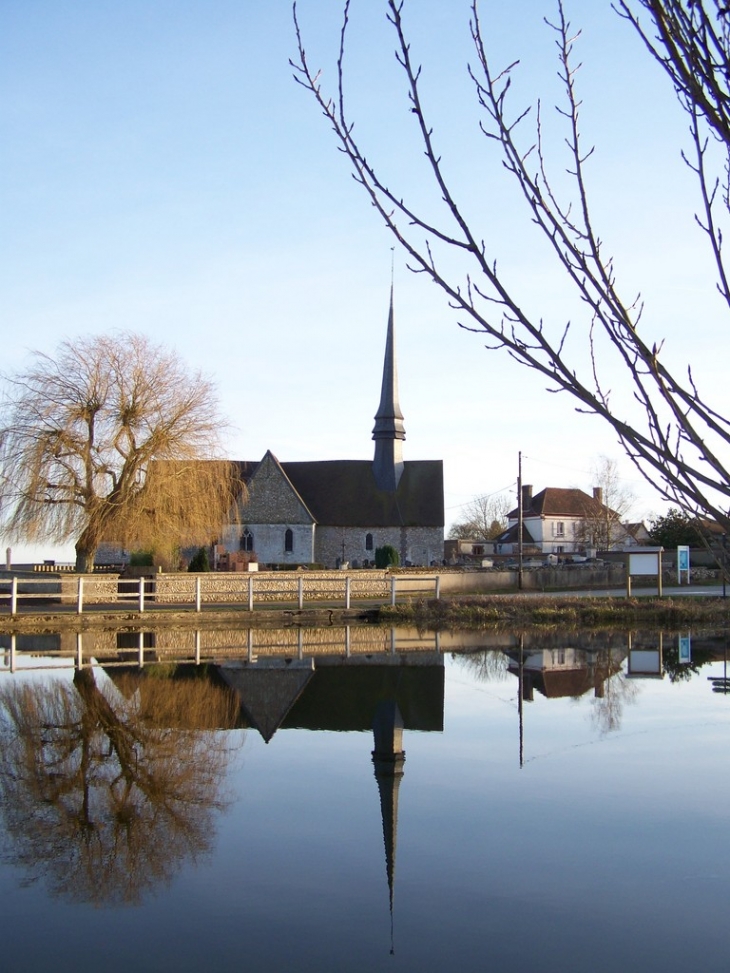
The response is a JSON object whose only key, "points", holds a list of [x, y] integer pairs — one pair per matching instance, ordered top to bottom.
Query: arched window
{"points": [[246, 540], [289, 540], [368, 542]]}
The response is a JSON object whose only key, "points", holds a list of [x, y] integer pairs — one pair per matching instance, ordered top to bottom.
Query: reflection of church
{"points": [[382, 693]]}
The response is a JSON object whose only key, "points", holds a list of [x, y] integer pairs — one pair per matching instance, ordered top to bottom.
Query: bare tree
{"points": [[671, 430], [112, 438], [482, 519], [603, 524]]}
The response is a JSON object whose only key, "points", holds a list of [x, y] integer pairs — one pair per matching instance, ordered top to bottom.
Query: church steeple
{"points": [[389, 431]]}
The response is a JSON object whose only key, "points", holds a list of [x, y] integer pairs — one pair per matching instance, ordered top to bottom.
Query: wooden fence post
{"points": [[392, 590], [300, 592], [347, 592], [141, 595], [14, 596], [80, 596], [198, 599]]}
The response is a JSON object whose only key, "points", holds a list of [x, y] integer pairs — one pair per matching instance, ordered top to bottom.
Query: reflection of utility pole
{"points": [[519, 520], [520, 684]]}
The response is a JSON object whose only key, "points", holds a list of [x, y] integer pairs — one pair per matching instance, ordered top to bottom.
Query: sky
{"points": [[162, 172]]}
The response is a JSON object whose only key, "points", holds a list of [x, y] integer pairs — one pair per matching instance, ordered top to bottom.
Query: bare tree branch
{"points": [[673, 433]]}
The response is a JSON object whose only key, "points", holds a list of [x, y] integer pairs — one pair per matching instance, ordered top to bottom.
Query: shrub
{"points": [[385, 556], [141, 559], [200, 561]]}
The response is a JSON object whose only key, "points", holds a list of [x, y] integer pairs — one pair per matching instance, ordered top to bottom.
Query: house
{"points": [[336, 512], [565, 521]]}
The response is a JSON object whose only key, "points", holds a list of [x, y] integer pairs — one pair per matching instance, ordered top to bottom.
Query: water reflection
{"points": [[114, 775], [106, 789]]}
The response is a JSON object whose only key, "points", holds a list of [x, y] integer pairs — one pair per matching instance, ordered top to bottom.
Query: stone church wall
{"points": [[415, 545]]}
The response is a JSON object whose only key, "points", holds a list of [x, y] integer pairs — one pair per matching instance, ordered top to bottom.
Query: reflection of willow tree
{"points": [[488, 665], [617, 691], [105, 798]]}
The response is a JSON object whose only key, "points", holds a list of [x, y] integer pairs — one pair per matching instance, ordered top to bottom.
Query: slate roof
{"points": [[343, 493], [511, 535]]}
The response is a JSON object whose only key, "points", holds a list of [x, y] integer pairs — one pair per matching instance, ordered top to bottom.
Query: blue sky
{"points": [[162, 173]]}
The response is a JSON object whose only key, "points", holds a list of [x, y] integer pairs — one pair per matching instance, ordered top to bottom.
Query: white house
{"points": [[565, 521]]}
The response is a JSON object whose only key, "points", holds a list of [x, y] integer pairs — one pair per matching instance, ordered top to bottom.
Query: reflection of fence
{"points": [[194, 592], [265, 647]]}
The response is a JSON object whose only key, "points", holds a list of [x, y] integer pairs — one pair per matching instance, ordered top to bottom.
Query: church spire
{"points": [[389, 431]]}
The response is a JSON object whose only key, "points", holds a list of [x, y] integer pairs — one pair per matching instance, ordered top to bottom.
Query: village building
{"points": [[337, 512], [566, 521]]}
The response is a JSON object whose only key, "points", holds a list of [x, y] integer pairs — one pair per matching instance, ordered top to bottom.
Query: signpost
{"points": [[646, 561], [682, 563]]}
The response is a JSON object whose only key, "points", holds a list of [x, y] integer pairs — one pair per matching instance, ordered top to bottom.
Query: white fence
{"points": [[273, 590]]}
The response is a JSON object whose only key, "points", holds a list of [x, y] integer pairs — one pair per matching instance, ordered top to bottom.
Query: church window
{"points": [[247, 540], [289, 540], [368, 542]]}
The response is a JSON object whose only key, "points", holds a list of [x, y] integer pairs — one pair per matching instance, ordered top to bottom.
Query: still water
{"points": [[557, 805]]}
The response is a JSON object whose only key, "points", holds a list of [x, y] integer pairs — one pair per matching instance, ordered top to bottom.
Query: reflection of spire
{"points": [[388, 760]]}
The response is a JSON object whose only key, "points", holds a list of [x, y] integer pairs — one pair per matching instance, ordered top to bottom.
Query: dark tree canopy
{"points": [[675, 432], [112, 438], [675, 529]]}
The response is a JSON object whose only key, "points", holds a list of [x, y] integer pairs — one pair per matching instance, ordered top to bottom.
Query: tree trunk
{"points": [[84, 558]]}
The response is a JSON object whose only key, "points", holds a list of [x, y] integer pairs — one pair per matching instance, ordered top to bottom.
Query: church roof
{"points": [[343, 493]]}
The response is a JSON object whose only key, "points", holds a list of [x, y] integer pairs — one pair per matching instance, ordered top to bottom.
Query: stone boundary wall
{"points": [[271, 586], [318, 586]]}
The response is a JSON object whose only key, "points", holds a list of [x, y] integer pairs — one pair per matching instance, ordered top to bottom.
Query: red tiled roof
{"points": [[562, 502]]}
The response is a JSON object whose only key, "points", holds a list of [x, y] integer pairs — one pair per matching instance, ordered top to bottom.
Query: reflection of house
{"points": [[329, 512], [563, 521], [560, 672]]}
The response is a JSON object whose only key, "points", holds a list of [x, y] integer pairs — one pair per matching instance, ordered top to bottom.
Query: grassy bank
{"points": [[479, 611]]}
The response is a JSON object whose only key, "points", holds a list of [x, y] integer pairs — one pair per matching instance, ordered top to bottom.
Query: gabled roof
{"points": [[343, 493], [563, 502], [511, 535]]}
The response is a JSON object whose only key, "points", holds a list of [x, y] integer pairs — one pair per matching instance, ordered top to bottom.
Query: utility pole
{"points": [[519, 520]]}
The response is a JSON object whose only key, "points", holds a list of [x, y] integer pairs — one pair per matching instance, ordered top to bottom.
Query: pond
{"points": [[555, 803]]}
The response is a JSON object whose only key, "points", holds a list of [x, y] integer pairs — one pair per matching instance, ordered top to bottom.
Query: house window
{"points": [[558, 528], [246, 540], [289, 540], [368, 542]]}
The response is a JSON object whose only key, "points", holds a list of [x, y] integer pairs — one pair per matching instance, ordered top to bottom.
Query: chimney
{"points": [[598, 494], [526, 495]]}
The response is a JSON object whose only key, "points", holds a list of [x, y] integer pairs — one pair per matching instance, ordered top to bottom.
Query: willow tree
{"points": [[672, 428], [112, 438]]}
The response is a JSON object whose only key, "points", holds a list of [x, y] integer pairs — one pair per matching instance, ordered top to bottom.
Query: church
{"points": [[336, 512]]}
